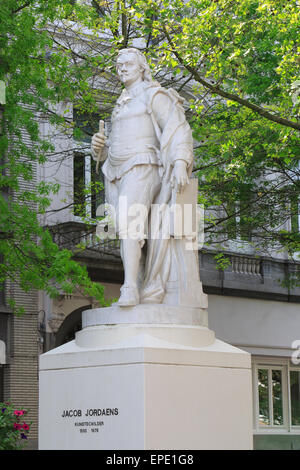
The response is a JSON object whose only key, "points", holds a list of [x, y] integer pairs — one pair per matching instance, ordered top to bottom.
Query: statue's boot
{"points": [[131, 254], [129, 296]]}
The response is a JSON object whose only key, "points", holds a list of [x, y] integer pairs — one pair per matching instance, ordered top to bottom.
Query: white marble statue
{"points": [[149, 155]]}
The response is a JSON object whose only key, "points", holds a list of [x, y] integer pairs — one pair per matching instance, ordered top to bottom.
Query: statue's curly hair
{"points": [[147, 77]]}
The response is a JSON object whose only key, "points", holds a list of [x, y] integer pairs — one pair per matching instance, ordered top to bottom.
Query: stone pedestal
{"points": [[150, 384]]}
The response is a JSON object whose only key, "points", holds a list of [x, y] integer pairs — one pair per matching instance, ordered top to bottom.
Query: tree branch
{"points": [[21, 7], [230, 96]]}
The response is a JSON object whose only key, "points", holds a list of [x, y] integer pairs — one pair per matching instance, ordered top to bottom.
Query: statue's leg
{"points": [[139, 186], [131, 254], [158, 260]]}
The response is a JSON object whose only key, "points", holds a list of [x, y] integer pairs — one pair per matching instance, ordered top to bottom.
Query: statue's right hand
{"points": [[98, 141]]}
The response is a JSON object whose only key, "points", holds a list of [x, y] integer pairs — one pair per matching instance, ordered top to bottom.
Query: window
{"points": [[85, 125], [3, 172], [79, 182], [88, 186], [97, 188], [295, 216], [232, 223], [238, 223], [2, 294], [270, 396], [295, 396], [276, 397]]}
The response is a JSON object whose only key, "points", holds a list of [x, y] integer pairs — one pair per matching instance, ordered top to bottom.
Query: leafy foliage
{"points": [[237, 65], [32, 74], [13, 427]]}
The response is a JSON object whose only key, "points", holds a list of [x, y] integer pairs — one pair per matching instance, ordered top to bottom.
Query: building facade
{"points": [[248, 307]]}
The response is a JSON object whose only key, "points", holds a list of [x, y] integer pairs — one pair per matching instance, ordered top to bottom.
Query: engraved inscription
{"points": [[90, 412], [86, 426]]}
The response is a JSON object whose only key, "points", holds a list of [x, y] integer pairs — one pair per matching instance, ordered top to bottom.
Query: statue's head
{"points": [[132, 64]]}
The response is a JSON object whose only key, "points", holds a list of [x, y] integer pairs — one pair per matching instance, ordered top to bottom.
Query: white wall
{"points": [[258, 326]]}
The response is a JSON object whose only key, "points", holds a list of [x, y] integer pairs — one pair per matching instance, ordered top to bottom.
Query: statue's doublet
{"points": [[133, 139]]}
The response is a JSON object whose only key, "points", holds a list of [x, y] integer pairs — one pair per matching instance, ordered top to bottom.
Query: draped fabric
{"points": [[175, 141]]}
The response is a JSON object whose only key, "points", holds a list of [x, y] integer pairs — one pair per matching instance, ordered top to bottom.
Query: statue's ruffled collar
{"points": [[135, 91], [130, 94], [127, 95]]}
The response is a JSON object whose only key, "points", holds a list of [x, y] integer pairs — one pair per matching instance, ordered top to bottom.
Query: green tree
{"points": [[243, 57], [237, 65], [31, 75]]}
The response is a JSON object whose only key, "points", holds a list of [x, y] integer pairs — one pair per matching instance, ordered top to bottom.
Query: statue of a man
{"points": [[148, 154]]}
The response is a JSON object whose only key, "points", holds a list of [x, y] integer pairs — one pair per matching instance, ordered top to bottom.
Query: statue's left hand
{"points": [[179, 176]]}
